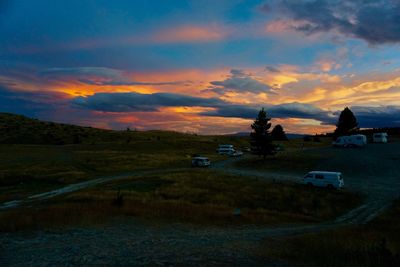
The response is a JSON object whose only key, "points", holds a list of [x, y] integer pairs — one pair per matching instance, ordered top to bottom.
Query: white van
{"points": [[379, 137], [356, 140], [225, 149], [324, 179]]}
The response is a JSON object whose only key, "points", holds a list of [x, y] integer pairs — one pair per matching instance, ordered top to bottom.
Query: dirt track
{"points": [[374, 171]]}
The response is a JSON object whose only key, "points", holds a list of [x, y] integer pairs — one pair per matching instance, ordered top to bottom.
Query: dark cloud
{"points": [[376, 22], [272, 69], [98, 76], [240, 82], [125, 83], [128, 102], [136, 102], [30, 103], [57, 106], [287, 110], [300, 110], [383, 116], [368, 117]]}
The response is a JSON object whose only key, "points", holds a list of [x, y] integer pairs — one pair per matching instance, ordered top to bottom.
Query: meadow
{"points": [[174, 191], [196, 196]]}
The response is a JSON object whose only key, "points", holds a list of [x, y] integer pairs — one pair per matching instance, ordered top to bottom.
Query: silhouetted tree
{"points": [[347, 123], [278, 134], [260, 137]]}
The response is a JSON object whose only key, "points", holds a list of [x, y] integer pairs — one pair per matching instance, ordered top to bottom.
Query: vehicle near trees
{"points": [[379, 137], [356, 140]]}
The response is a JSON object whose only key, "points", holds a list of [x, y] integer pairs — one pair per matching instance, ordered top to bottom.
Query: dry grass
{"points": [[286, 161], [29, 169], [199, 196], [374, 244]]}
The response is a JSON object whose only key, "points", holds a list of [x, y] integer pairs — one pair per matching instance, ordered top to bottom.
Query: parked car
{"points": [[379, 137], [356, 140], [225, 149], [235, 153], [200, 162], [324, 179]]}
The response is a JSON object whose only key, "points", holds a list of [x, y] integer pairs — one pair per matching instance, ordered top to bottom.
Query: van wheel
{"points": [[309, 184], [329, 186]]}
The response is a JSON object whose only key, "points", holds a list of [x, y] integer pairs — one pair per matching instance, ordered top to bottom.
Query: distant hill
{"points": [[18, 129]]}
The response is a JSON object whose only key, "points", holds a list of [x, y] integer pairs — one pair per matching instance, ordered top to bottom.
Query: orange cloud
{"points": [[190, 33]]}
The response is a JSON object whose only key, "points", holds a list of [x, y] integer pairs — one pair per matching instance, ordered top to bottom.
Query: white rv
{"points": [[379, 137], [356, 140], [225, 149], [324, 179]]}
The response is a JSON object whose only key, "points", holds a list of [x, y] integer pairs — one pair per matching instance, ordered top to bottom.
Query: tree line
{"points": [[261, 139]]}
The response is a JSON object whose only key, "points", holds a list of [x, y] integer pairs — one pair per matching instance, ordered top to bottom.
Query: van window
{"points": [[319, 176], [340, 177]]}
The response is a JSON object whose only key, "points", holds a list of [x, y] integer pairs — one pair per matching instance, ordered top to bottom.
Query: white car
{"points": [[225, 149], [200, 162], [324, 179]]}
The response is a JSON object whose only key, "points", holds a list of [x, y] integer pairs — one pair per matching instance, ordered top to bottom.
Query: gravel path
{"points": [[373, 171]]}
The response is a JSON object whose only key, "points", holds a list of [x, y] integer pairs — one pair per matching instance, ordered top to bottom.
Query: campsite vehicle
{"points": [[379, 137], [356, 140], [225, 149], [235, 153], [200, 162], [324, 179]]}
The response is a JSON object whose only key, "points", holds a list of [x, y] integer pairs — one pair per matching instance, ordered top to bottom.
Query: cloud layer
{"points": [[376, 22], [98, 76], [240, 82], [128, 102]]}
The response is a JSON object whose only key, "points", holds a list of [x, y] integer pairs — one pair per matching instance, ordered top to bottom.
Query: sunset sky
{"points": [[201, 66]]}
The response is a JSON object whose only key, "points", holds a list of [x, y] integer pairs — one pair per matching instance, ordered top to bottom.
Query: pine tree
{"points": [[347, 123], [278, 134], [260, 138]]}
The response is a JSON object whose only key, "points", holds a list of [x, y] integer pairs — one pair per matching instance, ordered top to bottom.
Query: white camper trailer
{"points": [[379, 137], [356, 140]]}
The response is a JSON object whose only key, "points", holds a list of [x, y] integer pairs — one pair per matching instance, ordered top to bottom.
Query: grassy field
{"points": [[297, 156], [29, 166], [27, 169], [198, 196], [374, 244]]}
